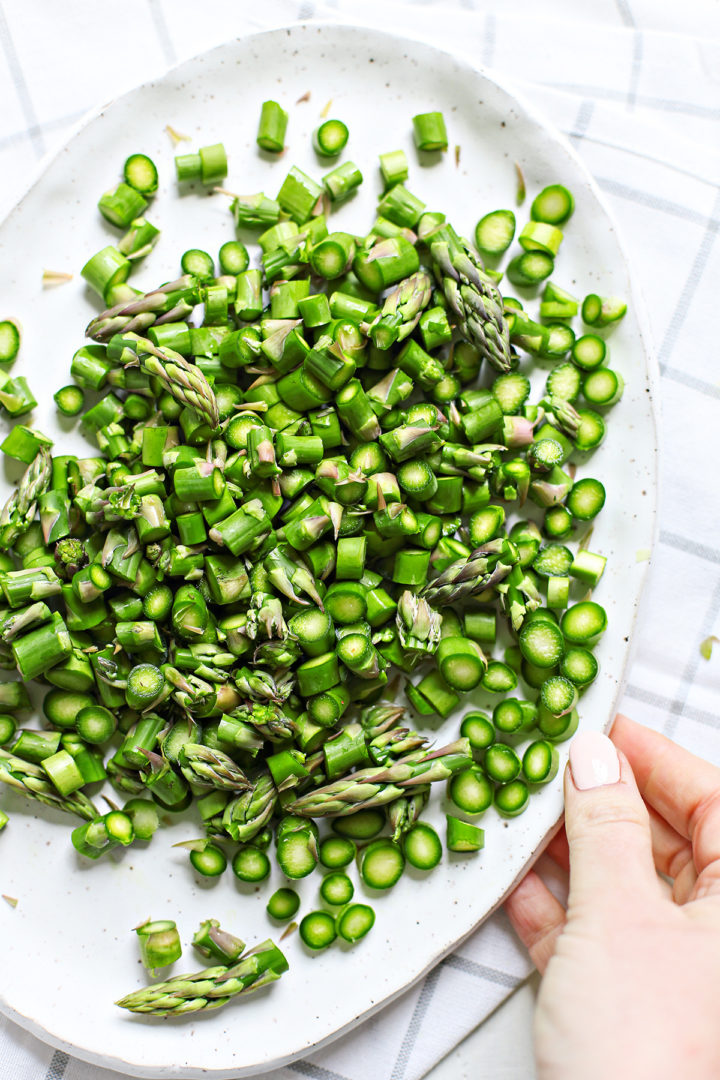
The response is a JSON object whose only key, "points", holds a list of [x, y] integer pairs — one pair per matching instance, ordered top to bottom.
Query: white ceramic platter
{"points": [[68, 951]]}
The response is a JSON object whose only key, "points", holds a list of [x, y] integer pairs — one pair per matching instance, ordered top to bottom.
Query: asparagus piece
{"points": [[475, 299], [172, 302], [401, 311], [183, 381], [564, 414], [109, 505], [19, 510], [70, 556], [486, 566], [290, 578], [518, 598], [267, 616], [18, 621], [418, 625], [260, 686], [197, 696], [267, 719], [376, 719], [394, 744], [211, 768], [125, 780], [32, 781], [375, 787], [405, 811], [247, 814], [97, 837], [159, 943], [214, 943], [211, 988]]}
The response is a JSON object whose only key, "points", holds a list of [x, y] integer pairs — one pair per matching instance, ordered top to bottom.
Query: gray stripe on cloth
{"points": [[625, 13], [629, 20], [161, 31], [488, 40], [637, 59], [21, 86], [670, 105], [582, 122], [17, 137], [677, 164], [655, 202], [711, 226], [689, 289], [691, 381], [692, 547], [660, 701], [679, 702], [458, 963], [481, 971], [422, 1005], [58, 1065], [315, 1072]]}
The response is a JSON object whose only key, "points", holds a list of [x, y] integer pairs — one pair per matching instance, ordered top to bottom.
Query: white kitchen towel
{"points": [[635, 85]]}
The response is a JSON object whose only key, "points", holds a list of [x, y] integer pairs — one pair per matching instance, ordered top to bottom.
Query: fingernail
{"points": [[593, 760]]}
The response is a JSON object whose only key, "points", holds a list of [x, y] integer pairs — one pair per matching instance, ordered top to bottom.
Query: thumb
{"points": [[608, 828]]}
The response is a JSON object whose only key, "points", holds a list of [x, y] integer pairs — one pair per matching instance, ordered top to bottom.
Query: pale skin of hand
{"points": [[631, 971]]}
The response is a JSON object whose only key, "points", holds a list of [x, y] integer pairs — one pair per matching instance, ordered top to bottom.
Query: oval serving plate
{"points": [[68, 950]]}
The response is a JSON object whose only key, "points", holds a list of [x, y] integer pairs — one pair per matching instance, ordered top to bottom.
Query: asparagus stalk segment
{"points": [[476, 301], [169, 303], [401, 311], [185, 382], [19, 510], [485, 567], [418, 625], [211, 768], [32, 781], [369, 788], [247, 814], [214, 943], [211, 988]]}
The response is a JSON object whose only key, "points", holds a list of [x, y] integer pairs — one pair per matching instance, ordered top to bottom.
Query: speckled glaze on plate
{"points": [[68, 950]]}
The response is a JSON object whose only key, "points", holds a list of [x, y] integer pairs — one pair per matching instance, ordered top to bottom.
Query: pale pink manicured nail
{"points": [[593, 760]]}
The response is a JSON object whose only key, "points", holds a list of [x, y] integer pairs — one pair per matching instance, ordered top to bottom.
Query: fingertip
{"points": [[593, 761], [607, 824]]}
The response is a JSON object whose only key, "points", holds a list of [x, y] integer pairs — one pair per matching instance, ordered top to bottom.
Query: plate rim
{"points": [[518, 98]]}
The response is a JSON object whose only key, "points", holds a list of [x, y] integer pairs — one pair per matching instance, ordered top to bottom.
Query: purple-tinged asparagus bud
{"points": [[517, 431], [545, 493], [378, 718]]}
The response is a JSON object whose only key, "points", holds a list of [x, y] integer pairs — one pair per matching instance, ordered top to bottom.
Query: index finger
{"points": [[682, 788]]}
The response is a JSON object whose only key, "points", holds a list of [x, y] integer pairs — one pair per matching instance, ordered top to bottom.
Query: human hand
{"points": [[631, 986]]}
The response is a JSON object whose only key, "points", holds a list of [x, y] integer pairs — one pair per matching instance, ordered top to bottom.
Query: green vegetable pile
{"points": [[298, 498]]}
